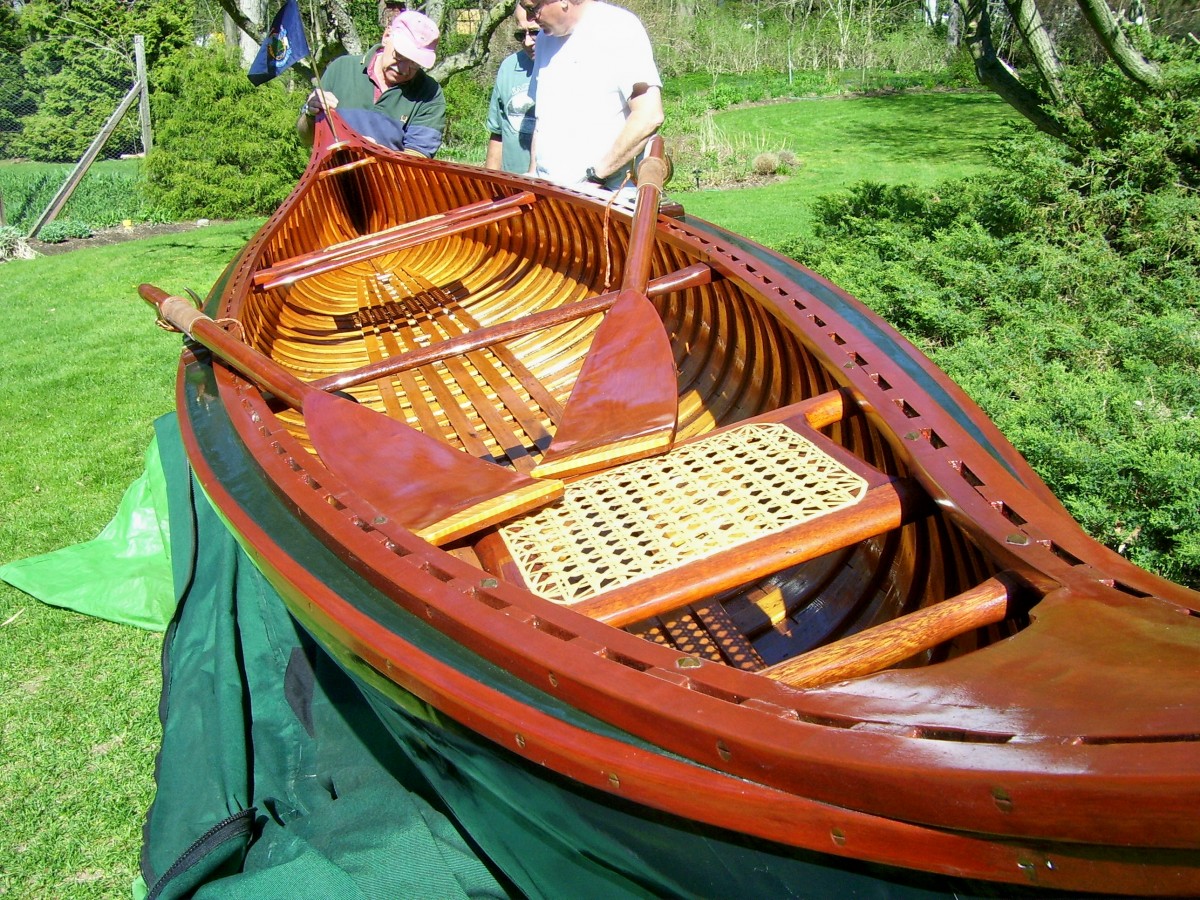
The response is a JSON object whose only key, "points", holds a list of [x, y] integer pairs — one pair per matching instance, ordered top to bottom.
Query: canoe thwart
{"points": [[692, 276]]}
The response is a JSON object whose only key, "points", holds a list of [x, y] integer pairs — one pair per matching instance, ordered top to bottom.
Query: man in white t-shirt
{"points": [[597, 90]]}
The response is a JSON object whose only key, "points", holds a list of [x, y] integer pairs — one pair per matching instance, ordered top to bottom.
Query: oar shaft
{"points": [[651, 174], [260, 369], [884, 645]]}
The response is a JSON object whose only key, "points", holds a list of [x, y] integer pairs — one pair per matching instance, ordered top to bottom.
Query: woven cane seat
{"points": [[628, 524]]}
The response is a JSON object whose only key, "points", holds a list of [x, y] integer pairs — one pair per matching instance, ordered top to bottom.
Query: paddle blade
{"points": [[623, 406], [429, 487]]}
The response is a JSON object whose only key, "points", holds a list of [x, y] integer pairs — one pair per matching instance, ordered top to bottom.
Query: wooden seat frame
{"points": [[888, 503]]}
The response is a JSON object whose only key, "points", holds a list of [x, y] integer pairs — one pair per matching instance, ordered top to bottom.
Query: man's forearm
{"points": [[645, 117], [495, 152]]}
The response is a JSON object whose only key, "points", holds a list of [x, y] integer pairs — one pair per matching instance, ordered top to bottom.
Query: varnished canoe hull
{"points": [[995, 764]]}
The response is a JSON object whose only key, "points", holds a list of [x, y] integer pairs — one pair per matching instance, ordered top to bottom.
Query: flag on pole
{"points": [[284, 46]]}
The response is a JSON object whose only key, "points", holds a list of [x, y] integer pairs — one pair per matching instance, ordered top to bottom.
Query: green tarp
{"points": [[124, 573], [274, 778]]}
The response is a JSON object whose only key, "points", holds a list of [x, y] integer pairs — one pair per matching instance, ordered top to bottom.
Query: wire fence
{"points": [[56, 114]]}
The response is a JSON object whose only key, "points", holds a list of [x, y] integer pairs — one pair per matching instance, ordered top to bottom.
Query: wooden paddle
{"points": [[624, 403], [427, 486]]}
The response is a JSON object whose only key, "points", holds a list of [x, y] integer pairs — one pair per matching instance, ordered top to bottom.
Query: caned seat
{"points": [[716, 512]]}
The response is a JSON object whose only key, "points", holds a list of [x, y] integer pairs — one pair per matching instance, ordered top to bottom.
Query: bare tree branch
{"points": [[493, 14]]}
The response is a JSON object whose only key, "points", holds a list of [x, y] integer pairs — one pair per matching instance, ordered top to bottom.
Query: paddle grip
{"points": [[652, 172], [180, 313]]}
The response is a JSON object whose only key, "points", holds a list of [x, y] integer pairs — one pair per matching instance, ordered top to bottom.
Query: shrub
{"points": [[466, 135], [223, 147], [787, 158], [766, 164], [63, 229], [12, 244], [1066, 304]]}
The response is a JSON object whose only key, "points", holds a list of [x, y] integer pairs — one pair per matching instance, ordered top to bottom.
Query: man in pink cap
{"points": [[386, 94]]}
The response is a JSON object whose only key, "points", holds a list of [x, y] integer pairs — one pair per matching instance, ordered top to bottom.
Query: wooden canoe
{"points": [[813, 617]]}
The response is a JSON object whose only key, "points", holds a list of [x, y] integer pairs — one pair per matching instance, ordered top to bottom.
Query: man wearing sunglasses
{"points": [[597, 89], [386, 95], [510, 118]]}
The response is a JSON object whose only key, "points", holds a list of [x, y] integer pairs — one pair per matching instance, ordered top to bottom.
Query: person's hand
{"points": [[319, 101]]}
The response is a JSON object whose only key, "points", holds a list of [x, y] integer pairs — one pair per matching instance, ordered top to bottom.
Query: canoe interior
{"points": [[318, 314]]}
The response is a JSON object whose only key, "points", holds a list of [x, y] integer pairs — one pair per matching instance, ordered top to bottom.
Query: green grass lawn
{"points": [[900, 138], [83, 374]]}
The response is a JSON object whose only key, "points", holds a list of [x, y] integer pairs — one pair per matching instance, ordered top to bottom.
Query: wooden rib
{"points": [[399, 237], [487, 336], [885, 645]]}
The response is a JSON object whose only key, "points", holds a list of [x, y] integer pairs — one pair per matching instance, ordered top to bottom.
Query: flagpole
{"points": [[321, 90]]}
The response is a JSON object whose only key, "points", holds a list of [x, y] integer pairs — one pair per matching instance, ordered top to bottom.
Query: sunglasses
{"points": [[522, 33]]}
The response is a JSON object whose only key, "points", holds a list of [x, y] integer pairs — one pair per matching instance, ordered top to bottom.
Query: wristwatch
{"points": [[590, 175]]}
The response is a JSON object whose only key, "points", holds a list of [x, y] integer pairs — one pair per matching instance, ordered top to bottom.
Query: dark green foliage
{"points": [[81, 65], [466, 118], [223, 147], [62, 229], [1064, 295]]}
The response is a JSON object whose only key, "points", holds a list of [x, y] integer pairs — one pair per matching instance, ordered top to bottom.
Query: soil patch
{"points": [[117, 235]]}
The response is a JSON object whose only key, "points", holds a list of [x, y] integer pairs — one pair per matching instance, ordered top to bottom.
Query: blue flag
{"points": [[285, 45]]}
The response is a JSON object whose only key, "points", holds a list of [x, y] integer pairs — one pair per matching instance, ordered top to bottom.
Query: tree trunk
{"points": [[252, 11], [1032, 29], [344, 30], [1135, 66], [994, 73]]}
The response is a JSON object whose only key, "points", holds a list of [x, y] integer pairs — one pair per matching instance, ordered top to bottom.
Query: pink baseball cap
{"points": [[414, 36]]}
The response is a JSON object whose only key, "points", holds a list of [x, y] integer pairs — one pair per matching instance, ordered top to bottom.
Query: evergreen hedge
{"points": [[223, 148], [1064, 295]]}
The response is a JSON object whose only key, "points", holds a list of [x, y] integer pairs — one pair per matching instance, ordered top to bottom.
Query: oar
{"points": [[624, 403], [427, 486]]}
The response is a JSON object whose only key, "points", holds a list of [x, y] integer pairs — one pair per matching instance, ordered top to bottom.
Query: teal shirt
{"points": [[511, 113], [408, 116]]}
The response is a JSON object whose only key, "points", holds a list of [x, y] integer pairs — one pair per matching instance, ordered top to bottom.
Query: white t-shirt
{"points": [[582, 84]]}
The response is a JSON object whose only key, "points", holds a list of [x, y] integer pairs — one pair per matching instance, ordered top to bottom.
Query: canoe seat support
{"points": [[399, 237], [715, 513]]}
